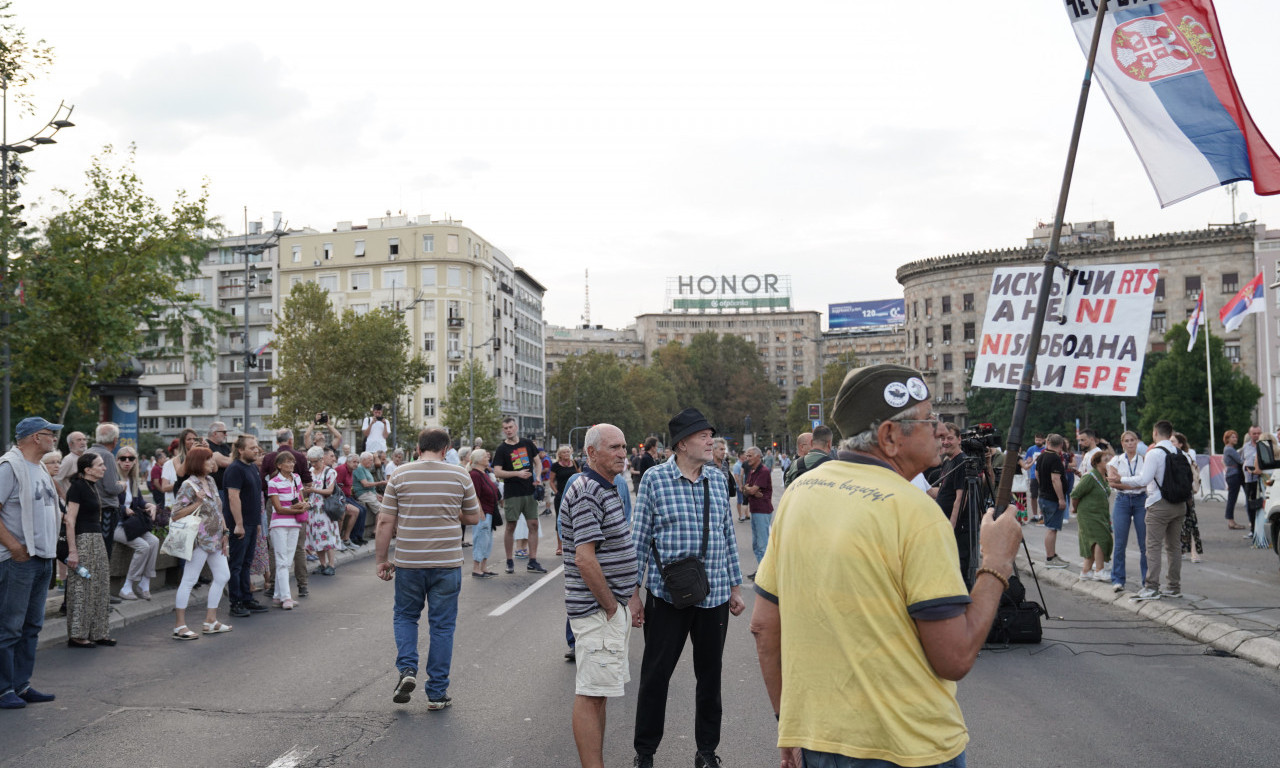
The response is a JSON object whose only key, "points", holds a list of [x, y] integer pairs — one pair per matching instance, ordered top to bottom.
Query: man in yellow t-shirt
{"points": [[863, 623]]}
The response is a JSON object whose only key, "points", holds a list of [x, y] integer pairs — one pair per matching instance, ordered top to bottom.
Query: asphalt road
{"points": [[312, 687]]}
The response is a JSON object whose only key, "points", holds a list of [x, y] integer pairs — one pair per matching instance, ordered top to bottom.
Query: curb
{"points": [[132, 612], [1258, 649]]}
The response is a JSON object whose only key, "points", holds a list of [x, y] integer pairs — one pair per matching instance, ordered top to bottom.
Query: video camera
{"points": [[977, 439]]}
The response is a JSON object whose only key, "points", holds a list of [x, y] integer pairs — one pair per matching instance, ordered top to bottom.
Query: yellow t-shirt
{"points": [[854, 548]]}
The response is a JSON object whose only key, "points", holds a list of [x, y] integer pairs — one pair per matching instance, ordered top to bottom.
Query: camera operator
{"points": [[375, 430], [315, 433], [950, 482]]}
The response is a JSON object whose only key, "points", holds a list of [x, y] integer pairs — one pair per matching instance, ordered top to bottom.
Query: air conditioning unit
{"points": [[315, 263], [947, 342], [929, 344]]}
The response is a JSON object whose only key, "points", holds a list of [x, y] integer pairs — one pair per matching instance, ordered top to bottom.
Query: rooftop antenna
{"points": [[1233, 192], [586, 304]]}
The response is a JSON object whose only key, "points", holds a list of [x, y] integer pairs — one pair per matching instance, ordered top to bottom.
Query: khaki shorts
{"points": [[516, 506], [600, 645]]}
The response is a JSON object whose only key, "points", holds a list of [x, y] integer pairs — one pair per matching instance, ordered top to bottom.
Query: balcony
{"points": [[237, 291], [455, 322], [455, 354]]}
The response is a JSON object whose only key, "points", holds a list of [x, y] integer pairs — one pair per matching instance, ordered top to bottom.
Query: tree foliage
{"points": [[21, 59], [111, 261], [338, 363], [1176, 388], [586, 390], [816, 391], [474, 393], [654, 397]]}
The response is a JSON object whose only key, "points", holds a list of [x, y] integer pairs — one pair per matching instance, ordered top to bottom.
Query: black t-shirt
{"points": [[222, 449], [514, 458], [647, 462], [1049, 463], [562, 475], [244, 477], [950, 483], [89, 515]]}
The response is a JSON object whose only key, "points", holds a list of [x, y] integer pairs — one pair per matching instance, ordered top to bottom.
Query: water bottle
{"points": [[82, 572]]}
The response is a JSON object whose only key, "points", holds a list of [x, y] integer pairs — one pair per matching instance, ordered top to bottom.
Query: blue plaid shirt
{"points": [[668, 512]]}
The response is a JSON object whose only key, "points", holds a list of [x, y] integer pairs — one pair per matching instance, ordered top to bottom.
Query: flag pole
{"points": [[1208, 374], [1013, 448]]}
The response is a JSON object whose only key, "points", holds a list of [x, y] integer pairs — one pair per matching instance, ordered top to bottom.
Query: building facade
{"points": [[460, 296], [946, 296], [561, 343], [865, 346]]}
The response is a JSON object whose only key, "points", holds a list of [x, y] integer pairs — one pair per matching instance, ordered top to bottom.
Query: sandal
{"points": [[1234, 526], [215, 627], [182, 633]]}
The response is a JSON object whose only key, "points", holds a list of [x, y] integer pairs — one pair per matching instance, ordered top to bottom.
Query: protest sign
{"points": [[1098, 350]]}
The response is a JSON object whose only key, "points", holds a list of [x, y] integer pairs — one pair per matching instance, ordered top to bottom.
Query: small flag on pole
{"points": [[1164, 68], [1250, 299], [1196, 320], [261, 349]]}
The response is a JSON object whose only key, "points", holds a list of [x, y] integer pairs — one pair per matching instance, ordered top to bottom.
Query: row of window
{"points": [[359, 249], [394, 278], [966, 305], [789, 322], [969, 334]]}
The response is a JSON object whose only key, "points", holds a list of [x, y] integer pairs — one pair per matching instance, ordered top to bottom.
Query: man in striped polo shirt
{"points": [[423, 506], [599, 576]]}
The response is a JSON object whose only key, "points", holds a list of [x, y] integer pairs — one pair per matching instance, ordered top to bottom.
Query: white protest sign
{"points": [[1100, 348]]}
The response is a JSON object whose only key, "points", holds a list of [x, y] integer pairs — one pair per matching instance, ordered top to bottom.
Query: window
{"points": [[428, 243], [451, 243], [327, 248], [359, 248], [393, 248], [475, 250], [297, 254], [429, 277], [455, 277], [392, 278], [294, 281], [361, 281], [1230, 282], [328, 283], [1192, 286], [1160, 289], [968, 302], [946, 305], [928, 307], [264, 309], [360, 309], [455, 309], [428, 310], [915, 310], [1158, 322], [970, 332], [946, 334], [928, 335], [429, 341], [455, 341], [1232, 351], [777, 352], [969, 360], [947, 365], [453, 372], [431, 375], [947, 392], [175, 395], [264, 397], [197, 398], [153, 403], [429, 403], [175, 422], [149, 423]]}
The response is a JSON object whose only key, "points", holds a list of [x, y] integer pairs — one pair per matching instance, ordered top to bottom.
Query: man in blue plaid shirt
{"points": [[668, 516]]}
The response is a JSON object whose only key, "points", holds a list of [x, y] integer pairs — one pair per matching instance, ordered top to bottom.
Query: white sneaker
{"points": [[1101, 575], [1086, 576], [1117, 587], [1147, 593]]}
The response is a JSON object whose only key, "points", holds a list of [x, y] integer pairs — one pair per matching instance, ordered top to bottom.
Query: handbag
{"points": [[335, 504], [136, 525], [182, 537], [686, 578]]}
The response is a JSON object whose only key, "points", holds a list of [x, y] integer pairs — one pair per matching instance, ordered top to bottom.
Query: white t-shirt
{"points": [[377, 439], [170, 473]]}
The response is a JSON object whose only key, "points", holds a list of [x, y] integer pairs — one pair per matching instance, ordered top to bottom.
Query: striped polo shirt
{"points": [[426, 498], [591, 511]]}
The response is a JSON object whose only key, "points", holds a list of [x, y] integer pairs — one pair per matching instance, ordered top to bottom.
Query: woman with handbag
{"points": [[487, 493], [198, 495], [134, 528], [323, 536], [88, 599]]}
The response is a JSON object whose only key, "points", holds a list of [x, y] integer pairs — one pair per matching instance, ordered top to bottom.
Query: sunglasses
{"points": [[127, 458]]}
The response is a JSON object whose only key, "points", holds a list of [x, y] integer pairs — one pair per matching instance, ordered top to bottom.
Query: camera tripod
{"points": [[978, 495]]}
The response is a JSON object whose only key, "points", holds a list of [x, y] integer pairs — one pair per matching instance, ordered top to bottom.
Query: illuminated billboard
{"points": [[867, 314]]}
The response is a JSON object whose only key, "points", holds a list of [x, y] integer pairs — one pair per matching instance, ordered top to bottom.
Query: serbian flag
{"points": [[1163, 66], [1250, 299], [1196, 320], [261, 349]]}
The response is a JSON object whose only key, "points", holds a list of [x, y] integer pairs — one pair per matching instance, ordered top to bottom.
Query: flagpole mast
{"points": [[1051, 261], [1208, 373]]}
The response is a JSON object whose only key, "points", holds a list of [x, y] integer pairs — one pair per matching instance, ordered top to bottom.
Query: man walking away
{"points": [[424, 504]]}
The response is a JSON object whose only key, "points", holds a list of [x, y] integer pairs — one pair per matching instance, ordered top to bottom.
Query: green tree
{"points": [[21, 60], [110, 261], [338, 363], [724, 378], [1176, 389], [586, 390], [816, 391], [473, 392], [654, 397]]}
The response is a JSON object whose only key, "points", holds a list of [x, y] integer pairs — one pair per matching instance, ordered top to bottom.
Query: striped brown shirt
{"points": [[427, 498]]}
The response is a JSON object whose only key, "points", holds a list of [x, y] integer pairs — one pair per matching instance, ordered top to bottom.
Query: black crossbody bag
{"points": [[686, 578]]}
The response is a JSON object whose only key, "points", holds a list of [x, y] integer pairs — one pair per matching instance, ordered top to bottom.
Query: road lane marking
{"points": [[513, 602], [291, 759]]}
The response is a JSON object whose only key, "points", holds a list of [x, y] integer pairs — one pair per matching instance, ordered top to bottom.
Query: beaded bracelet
{"points": [[1004, 582]]}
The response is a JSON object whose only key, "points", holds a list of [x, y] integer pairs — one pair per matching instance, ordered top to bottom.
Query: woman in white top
{"points": [[171, 476], [323, 536], [145, 545]]}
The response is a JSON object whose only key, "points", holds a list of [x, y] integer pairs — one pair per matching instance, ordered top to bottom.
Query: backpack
{"points": [[805, 466], [1178, 480]]}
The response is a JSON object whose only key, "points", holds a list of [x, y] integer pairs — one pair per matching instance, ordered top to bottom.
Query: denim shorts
{"points": [[1052, 512]]}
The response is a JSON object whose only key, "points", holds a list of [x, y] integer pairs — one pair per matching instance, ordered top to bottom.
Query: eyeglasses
{"points": [[933, 419], [47, 434]]}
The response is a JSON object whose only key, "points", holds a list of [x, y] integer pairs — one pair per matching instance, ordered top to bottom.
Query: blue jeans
{"points": [[1130, 509], [760, 534], [482, 539], [23, 588], [436, 589], [829, 760]]}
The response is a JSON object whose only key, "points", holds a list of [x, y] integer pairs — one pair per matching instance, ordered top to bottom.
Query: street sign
{"points": [[815, 412]]}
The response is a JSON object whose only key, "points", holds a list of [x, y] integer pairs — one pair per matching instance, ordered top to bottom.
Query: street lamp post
{"points": [[61, 119], [250, 283], [471, 384]]}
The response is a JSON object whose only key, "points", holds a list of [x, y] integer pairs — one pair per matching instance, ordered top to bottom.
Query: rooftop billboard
{"points": [[866, 314]]}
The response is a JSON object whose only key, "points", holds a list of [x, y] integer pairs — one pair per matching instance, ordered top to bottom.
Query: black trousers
{"points": [[1251, 493], [240, 559], [665, 631]]}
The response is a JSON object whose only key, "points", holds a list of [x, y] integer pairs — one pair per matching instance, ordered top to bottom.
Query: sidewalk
{"points": [[1231, 600], [133, 611]]}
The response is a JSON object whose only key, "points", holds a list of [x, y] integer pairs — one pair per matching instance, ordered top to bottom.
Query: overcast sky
{"points": [[831, 141]]}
